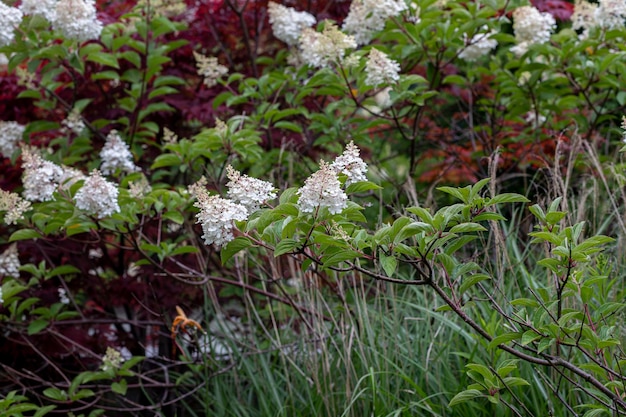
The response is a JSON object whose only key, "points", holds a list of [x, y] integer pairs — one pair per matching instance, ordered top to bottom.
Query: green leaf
{"points": [[104, 59], [166, 160], [361, 186], [508, 198], [467, 228], [24, 234], [234, 246], [285, 246], [344, 255], [389, 263], [63, 270], [471, 281], [36, 326], [529, 336], [504, 338], [512, 381], [119, 387], [55, 394], [465, 396], [44, 410]]}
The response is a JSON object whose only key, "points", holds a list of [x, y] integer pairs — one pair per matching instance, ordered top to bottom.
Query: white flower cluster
{"points": [[44, 8], [610, 14], [367, 17], [584, 17], [10, 18], [77, 20], [288, 23], [531, 27], [480, 45], [319, 49], [209, 68], [380, 69], [73, 123], [10, 136], [116, 155], [350, 164], [40, 178], [322, 189], [249, 192], [97, 196], [14, 205], [217, 216], [10, 262], [63, 298], [112, 359]]}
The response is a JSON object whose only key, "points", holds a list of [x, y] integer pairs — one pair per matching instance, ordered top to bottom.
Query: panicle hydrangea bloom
{"points": [[44, 8], [610, 14], [368, 16], [584, 17], [10, 18], [77, 20], [288, 23], [530, 27], [480, 45], [319, 49], [209, 68], [380, 69], [73, 123], [10, 136], [116, 155], [350, 164], [69, 177], [41, 178], [139, 189], [322, 189], [249, 192], [97, 196], [14, 205], [217, 216], [10, 262], [63, 298], [112, 359]]}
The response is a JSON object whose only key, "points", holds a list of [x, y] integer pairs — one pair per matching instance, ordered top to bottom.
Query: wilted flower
{"points": [[368, 16], [10, 18], [77, 20], [287, 23], [531, 27], [480, 45], [320, 49], [209, 68], [380, 69], [10, 136], [116, 155], [350, 164], [41, 178], [322, 189], [249, 192], [97, 196], [14, 205], [217, 216], [10, 262]]}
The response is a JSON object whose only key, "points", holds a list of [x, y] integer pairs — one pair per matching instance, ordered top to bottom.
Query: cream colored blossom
{"points": [[366, 17], [77, 20], [288, 23], [531, 27], [320, 49], [209, 68], [380, 70], [350, 164], [322, 189], [249, 192], [97, 197], [14, 206], [217, 216], [10, 262]]}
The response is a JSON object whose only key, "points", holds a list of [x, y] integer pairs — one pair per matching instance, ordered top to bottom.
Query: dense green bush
{"points": [[416, 209]]}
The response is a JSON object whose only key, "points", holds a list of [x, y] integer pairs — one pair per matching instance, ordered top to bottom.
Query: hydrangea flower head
{"points": [[44, 8], [610, 14], [367, 17], [10, 18], [77, 20], [287, 23], [531, 27], [480, 45], [319, 49], [209, 68], [380, 69], [10, 136], [116, 155], [350, 164], [41, 178], [322, 189], [249, 192], [97, 197], [14, 206], [216, 217], [10, 262]]}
